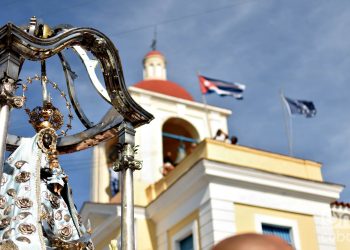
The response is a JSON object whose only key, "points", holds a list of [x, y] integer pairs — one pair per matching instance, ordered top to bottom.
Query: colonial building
{"points": [[216, 189]]}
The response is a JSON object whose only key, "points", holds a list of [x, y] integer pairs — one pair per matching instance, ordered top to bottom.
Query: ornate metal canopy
{"points": [[16, 43]]}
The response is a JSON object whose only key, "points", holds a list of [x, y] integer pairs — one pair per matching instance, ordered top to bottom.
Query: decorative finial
{"points": [[154, 41]]}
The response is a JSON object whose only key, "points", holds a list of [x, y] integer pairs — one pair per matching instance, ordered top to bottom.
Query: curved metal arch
{"points": [[33, 48], [90, 66], [72, 96]]}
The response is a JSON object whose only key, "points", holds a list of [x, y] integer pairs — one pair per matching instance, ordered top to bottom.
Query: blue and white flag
{"points": [[223, 88], [301, 107]]}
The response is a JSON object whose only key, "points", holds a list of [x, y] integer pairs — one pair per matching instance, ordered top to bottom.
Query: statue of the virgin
{"points": [[36, 206]]}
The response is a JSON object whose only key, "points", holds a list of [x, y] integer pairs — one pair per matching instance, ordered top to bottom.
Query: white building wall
{"points": [[150, 150], [217, 222], [324, 229]]}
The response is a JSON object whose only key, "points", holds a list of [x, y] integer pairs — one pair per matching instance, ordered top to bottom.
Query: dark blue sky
{"points": [[300, 47]]}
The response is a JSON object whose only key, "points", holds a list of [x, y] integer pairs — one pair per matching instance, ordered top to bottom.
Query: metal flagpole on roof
{"points": [[204, 100], [288, 123]]}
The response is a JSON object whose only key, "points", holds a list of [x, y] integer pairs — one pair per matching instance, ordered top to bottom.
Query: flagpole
{"points": [[204, 100], [288, 124], [291, 134]]}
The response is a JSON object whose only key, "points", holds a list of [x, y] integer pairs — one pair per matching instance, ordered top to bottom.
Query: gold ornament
{"points": [[47, 116], [19, 164], [22, 177], [3, 180], [12, 192], [2, 201], [55, 201], [23, 202], [8, 210], [23, 215], [58, 215], [66, 217], [4, 223], [26, 228], [66, 232], [7, 234], [23, 239], [8, 245]]}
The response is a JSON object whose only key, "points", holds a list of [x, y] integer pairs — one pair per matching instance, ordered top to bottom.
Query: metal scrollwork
{"points": [[7, 89], [16, 101]]}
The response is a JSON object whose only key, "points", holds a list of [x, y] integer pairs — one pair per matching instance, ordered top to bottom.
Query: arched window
{"points": [[151, 70], [158, 70], [179, 139]]}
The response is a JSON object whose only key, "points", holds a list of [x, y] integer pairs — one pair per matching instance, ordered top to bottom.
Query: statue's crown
{"points": [[47, 116]]}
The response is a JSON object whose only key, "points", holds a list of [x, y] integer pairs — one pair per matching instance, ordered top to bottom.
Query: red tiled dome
{"points": [[164, 87]]}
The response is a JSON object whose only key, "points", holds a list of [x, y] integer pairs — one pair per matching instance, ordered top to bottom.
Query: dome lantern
{"points": [[154, 66]]}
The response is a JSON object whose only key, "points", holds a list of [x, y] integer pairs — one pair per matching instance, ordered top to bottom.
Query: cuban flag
{"points": [[223, 88], [300, 107]]}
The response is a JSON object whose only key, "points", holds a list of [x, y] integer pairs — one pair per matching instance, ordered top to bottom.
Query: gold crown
{"points": [[47, 116]]}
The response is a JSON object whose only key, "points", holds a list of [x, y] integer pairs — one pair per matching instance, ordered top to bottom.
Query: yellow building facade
{"points": [[217, 189]]}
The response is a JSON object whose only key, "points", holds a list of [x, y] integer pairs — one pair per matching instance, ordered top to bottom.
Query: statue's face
{"points": [[47, 140], [54, 163]]}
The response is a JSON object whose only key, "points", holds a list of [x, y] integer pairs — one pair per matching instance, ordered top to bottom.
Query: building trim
{"points": [[323, 190]]}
